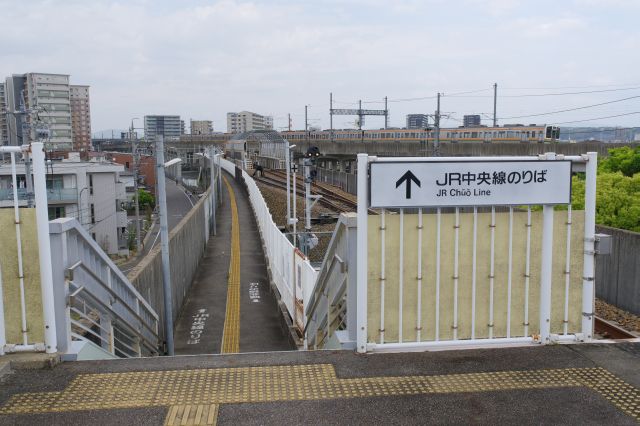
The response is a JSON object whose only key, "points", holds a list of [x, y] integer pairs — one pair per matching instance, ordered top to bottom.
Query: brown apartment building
{"points": [[80, 118]]}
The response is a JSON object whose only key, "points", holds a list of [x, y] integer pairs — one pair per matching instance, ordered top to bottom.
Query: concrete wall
{"points": [[402, 148], [187, 243], [618, 274]]}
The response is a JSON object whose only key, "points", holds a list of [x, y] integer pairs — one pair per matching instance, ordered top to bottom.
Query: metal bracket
{"points": [[588, 315]]}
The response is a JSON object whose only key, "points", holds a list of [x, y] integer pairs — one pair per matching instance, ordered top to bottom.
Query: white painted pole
{"points": [[287, 165], [212, 187], [294, 215], [16, 221], [164, 241], [44, 247], [362, 261], [492, 269], [473, 273], [510, 273], [527, 273], [546, 273], [455, 274], [567, 274], [383, 277], [401, 279], [588, 288], [437, 313], [419, 316], [3, 335]]}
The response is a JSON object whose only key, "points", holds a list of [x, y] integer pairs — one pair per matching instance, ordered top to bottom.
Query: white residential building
{"points": [[49, 94], [246, 121], [167, 125], [201, 127], [4, 131], [90, 192]]}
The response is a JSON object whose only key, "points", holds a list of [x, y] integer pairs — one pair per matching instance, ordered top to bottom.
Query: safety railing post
{"points": [[44, 247], [362, 262], [546, 268], [588, 287]]}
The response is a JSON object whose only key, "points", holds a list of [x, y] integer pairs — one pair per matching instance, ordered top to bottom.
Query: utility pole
{"points": [[495, 104], [386, 114], [331, 115], [360, 115], [289, 116], [306, 124], [436, 125], [134, 158], [164, 242]]}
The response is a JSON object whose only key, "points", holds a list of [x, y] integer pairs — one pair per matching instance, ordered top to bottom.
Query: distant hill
{"points": [[605, 134]]}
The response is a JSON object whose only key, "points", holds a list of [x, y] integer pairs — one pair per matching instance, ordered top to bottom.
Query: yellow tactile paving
{"points": [[231, 331], [189, 393], [189, 414]]}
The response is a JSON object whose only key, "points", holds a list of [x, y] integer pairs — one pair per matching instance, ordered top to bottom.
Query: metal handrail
{"points": [[112, 293], [150, 345]]}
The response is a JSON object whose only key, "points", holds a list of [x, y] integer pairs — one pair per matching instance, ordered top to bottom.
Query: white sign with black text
{"points": [[469, 183]]}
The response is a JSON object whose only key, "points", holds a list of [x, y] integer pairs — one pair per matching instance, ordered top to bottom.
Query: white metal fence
{"points": [[292, 275], [388, 302]]}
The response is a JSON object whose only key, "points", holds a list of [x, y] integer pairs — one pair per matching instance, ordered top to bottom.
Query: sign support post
{"points": [[361, 271]]}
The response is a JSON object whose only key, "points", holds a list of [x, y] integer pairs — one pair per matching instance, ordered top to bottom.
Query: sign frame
{"points": [[497, 160]]}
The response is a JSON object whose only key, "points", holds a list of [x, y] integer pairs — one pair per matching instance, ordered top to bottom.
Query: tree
{"points": [[625, 160], [145, 199], [617, 199]]}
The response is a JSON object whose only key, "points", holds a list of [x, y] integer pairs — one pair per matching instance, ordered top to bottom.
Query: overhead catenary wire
{"points": [[571, 109]]}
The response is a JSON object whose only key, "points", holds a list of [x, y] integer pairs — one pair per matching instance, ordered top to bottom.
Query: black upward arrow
{"points": [[408, 177]]}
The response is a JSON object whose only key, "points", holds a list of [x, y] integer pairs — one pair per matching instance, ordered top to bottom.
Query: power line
{"points": [[530, 95], [571, 109], [597, 118]]}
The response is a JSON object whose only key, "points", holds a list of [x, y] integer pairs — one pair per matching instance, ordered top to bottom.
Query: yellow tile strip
{"points": [[231, 331], [204, 387], [188, 415]]}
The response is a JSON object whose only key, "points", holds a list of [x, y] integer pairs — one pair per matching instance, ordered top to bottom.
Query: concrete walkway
{"points": [[251, 321], [578, 384]]}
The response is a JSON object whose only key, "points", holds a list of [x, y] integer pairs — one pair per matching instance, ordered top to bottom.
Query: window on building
{"points": [[90, 184], [56, 212], [93, 214]]}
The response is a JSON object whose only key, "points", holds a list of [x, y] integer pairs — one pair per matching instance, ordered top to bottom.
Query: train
{"points": [[512, 133]]}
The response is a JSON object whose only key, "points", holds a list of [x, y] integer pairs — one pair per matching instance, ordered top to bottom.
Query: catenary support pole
{"points": [[495, 104], [436, 129], [134, 158], [287, 165], [164, 243], [44, 247]]}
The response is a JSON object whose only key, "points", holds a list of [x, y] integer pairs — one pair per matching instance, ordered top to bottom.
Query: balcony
{"points": [[56, 195]]}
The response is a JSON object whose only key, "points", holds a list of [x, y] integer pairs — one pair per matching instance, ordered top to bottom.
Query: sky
{"points": [[201, 59]]}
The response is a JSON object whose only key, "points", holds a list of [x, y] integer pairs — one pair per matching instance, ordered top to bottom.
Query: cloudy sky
{"points": [[201, 59]]}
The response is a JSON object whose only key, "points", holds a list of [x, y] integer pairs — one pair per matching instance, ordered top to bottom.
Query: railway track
{"points": [[326, 200], [335, 201], [609, 330]]}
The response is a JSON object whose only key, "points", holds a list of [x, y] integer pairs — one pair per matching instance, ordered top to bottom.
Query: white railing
{"points": [[291, 273], [94, 300], [439, 303], [330, 322]]}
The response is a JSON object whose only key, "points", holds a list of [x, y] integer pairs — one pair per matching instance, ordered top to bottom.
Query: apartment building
{"points": [[48, 94], [80, 118], [471, 120], [246, 121], [417, 121], [167, 125], [201, 127], [4, 131], [90, 192]]}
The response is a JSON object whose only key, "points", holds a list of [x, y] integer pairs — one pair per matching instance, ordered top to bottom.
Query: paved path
{"points": [[230, 307], [561, 384]]}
